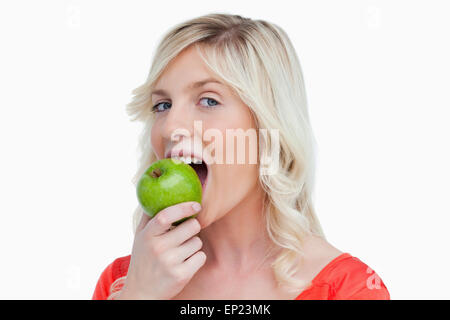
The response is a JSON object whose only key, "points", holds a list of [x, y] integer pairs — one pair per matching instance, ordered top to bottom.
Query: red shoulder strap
{"points": [[120, 267]]}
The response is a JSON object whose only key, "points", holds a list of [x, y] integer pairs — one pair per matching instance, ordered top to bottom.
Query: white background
{"points": [[377, 78]]}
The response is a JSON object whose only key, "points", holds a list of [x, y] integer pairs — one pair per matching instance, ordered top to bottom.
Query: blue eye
{"points": [[208, 105], [161, 106], [156, 107]]}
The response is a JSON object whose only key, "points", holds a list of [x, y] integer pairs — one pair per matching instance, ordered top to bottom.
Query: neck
{"points": [[238, 242]]}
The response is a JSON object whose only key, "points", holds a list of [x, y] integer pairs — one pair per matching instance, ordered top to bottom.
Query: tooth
{"points": [[176, 159], [186, 160], [197, 160]]}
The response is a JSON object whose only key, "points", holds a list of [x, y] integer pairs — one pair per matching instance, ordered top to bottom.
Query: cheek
{"points": [[157, 141], [235, 182]]}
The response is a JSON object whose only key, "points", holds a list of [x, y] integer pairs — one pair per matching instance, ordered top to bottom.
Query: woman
{"points": [[256, 234]]}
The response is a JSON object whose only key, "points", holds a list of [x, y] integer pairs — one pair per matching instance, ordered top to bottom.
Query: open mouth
{"points": [[195, 161], [202, 171]]}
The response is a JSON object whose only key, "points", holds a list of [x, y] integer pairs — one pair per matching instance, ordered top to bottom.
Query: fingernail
{"points": [[196, 206]]}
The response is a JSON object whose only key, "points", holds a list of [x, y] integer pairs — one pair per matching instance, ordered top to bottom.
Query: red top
{"points": [[344, 278]]}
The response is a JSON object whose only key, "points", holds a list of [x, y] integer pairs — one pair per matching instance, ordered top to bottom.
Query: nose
{"points": [[178, 124]]}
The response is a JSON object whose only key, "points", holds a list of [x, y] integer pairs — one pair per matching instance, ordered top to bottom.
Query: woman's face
{"points": [[216, 109]]}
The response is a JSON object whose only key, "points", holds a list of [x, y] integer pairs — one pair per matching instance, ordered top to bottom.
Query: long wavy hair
{"points": [[258, 61]]}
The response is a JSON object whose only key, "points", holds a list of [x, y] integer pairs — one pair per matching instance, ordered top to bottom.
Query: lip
{"points": [[183, 153], [186, 153]]}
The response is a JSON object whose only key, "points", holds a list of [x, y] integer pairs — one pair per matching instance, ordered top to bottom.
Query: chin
{"points": [[207, 216], [203, 220]]}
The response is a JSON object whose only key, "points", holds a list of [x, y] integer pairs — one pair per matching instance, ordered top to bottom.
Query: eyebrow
{"points": [[193, 85]]}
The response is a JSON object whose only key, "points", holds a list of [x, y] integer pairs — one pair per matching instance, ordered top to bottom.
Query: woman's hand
{"points": [[164, 259]]}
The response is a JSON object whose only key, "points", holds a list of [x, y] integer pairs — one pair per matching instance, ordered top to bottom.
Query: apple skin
{"points": [[173, 182]]}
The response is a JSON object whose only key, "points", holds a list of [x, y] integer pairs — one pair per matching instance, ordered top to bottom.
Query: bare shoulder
{"points": [[316, 247], [318, 252]]}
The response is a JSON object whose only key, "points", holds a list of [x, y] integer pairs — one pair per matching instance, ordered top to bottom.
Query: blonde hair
{"points": [[257, 59]]}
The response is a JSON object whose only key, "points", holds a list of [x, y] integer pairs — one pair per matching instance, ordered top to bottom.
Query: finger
{"points": [[145, 218], [164, 219], [181, 233], [187, 249], [193, 263]]}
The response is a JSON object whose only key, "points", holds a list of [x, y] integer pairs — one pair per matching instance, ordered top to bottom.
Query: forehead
{"points": [[187, 67]]}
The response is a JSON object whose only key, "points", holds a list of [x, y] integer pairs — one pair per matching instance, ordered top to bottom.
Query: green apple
{"points": [[168, 182]]}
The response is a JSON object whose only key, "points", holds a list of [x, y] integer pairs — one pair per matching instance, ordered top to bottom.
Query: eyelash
{"points": [[154, 108]]}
